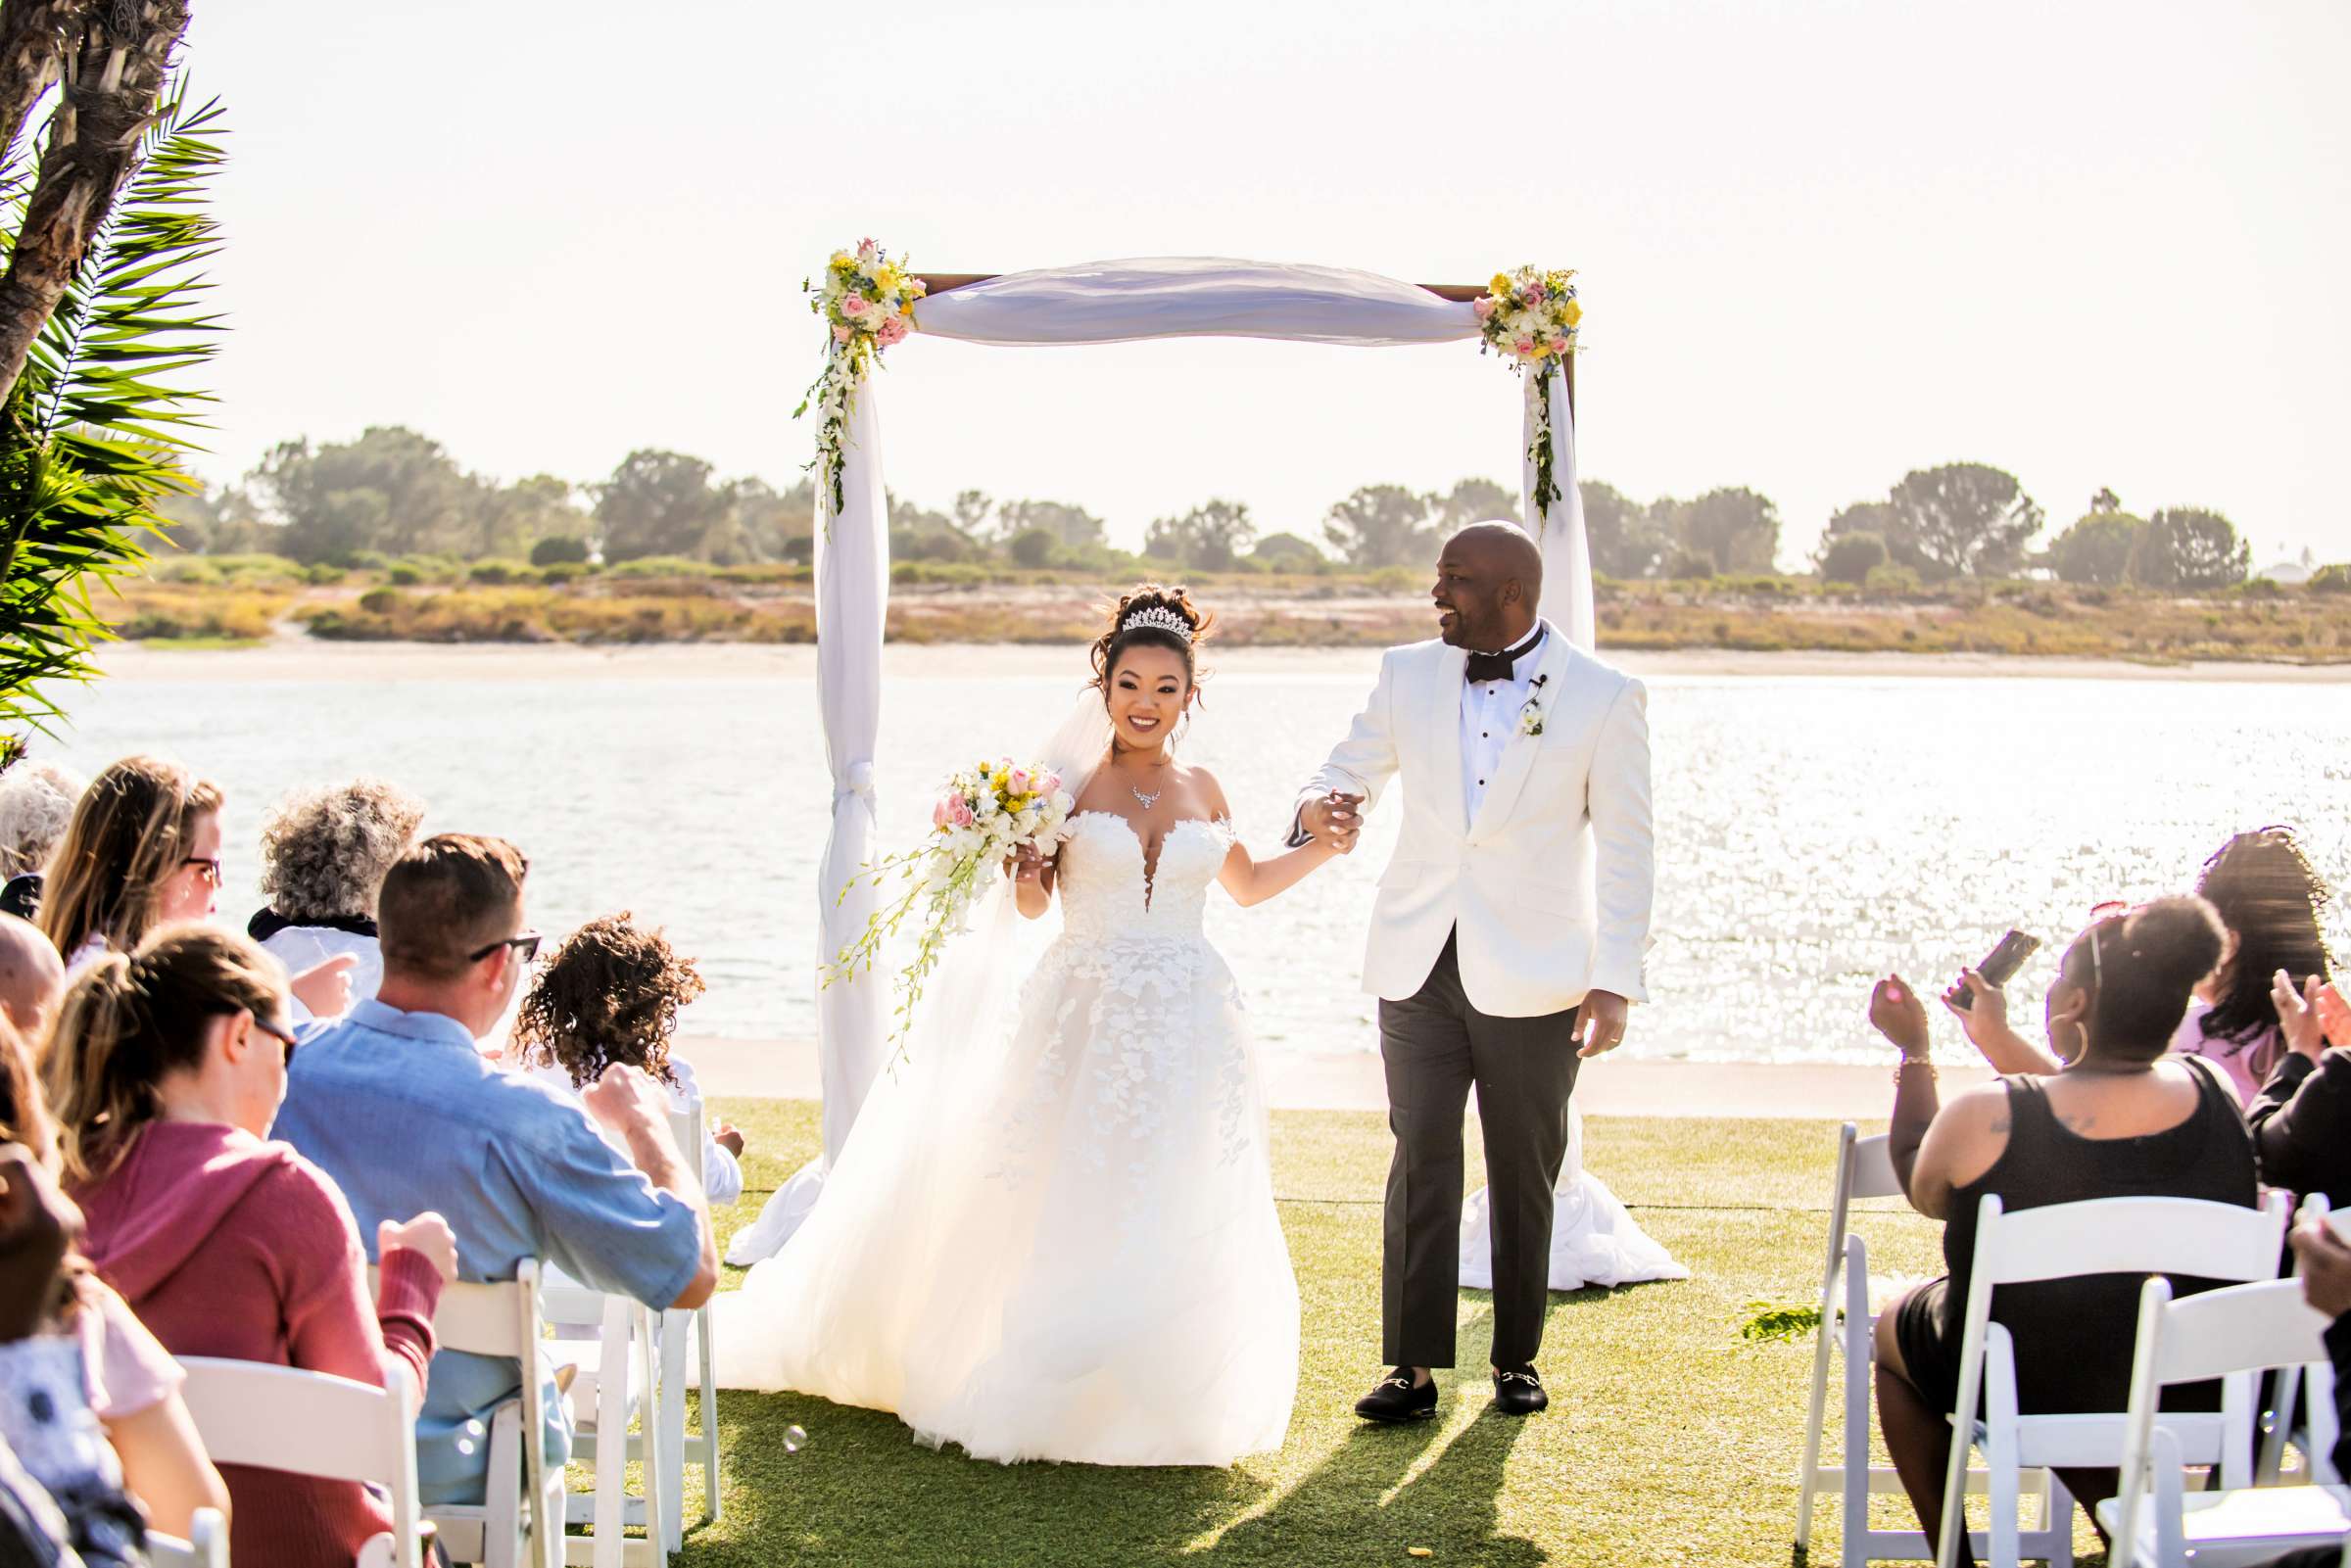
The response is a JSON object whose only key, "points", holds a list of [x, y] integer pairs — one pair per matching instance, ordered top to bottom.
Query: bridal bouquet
{"points": [[867, 302], [1530, 317], [986, 813]]}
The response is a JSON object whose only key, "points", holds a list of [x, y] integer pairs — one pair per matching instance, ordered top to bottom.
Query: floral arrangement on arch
{"points": [[867, 303], [1530, 317]]}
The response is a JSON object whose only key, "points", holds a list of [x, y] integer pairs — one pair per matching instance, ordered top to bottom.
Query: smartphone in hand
{"points": [[1999, 966]]}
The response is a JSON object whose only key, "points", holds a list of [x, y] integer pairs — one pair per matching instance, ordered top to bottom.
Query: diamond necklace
{"points": [[1149, 800]]}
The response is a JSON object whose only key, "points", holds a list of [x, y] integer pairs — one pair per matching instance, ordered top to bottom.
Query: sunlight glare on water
{"points": [[1811, 833]]}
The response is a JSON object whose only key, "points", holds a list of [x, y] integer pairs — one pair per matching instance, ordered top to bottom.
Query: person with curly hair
{"points": [[37, 802], [324, 853], [611, 994]]}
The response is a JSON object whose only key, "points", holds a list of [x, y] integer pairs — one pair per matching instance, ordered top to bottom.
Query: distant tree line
{"points": [[393, 492]]}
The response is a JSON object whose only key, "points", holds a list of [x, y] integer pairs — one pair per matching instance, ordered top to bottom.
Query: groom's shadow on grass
{"points": [[1451, 1505]]}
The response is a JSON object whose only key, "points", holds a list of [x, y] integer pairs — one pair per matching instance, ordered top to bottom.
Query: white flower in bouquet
{"points": [[985, 814]]}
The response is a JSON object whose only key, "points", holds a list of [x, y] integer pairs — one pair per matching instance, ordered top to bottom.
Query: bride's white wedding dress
{"points": [[1057, 1239]]}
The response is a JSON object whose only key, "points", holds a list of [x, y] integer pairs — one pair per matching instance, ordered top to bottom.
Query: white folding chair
{"points": [[2063, 1241], [1847, 1324], [683, 1332], [2228, 1334], [683, 1341], [623, 1382], [2303, 1407], [312, 1424], [520, 1520], [207, 1545]]}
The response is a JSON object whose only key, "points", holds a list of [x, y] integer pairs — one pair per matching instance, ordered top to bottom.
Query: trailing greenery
{"points": [[93, 433]]}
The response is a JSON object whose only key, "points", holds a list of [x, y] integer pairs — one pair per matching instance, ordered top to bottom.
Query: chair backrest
{"points": [[686, 1128], [1870, 1161], [1864, 1169], [2126, 1236], [500, 1317], [2236, 1328], [311, 1424], [207, 1545]]}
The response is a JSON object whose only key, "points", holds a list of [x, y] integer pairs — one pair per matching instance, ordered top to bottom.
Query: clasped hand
{"points": [[1334, 820]]}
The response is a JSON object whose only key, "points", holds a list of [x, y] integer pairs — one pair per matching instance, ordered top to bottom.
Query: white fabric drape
{"points": [[1195, 297], [1103, 302], [1566, 554], [852, 599]]}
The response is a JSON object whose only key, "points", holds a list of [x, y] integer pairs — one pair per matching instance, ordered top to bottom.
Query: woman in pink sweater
{"points": [[165, 1068]]}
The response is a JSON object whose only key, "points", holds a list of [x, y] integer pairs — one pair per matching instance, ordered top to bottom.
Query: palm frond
{"points": [[94, 433]]}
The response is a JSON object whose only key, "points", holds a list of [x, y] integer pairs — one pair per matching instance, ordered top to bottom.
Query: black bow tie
{"points": [[1504, 665]]}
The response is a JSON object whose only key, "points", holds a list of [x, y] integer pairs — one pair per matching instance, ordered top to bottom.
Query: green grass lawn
{"points": [[1671, 1439]]}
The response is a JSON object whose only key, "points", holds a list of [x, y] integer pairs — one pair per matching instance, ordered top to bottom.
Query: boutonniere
{"points": [[1531, 717]]}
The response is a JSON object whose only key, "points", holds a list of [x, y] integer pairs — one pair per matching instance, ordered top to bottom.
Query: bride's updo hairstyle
{"points": [[1151, 617]]}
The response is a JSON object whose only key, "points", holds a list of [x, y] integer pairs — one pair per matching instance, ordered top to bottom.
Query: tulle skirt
{"points": [[1058, 1242]]}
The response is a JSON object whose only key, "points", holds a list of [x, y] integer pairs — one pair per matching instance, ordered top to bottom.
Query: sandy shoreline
{"points": [[299, 658], [1352, 1081]]}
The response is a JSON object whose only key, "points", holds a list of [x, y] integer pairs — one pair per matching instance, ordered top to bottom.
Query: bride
{"points": [[1053, 1234]]}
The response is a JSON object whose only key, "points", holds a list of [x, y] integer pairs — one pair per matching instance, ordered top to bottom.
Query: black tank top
{"points": [[2074, 1337]]}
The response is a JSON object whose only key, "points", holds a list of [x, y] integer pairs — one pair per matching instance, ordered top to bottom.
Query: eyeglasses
{"points": [[211, 865], [524, 943], [278, 1032]]}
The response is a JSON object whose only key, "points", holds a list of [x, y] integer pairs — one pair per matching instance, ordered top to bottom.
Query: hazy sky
{"points": [[1820, 244]]}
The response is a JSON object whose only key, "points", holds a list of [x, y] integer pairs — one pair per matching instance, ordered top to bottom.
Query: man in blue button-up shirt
{"points": [[397, 1105]]}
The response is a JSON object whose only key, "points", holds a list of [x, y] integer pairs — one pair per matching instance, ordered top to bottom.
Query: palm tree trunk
{"points": [[32, 42], [115, 60]]}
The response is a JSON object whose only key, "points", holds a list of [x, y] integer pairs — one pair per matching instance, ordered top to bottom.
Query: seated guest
{"points": [[36, 801], [143, 850], [324, 853], [2270, 899], [30, 977], [611, 993], [166, 1068], [400, 1108], [2122, 1119], [2301, 1121], [131, 1382], [61, 1488]]}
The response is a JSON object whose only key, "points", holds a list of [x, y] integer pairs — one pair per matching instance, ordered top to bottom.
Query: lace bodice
{"points": [[1104, 893]]}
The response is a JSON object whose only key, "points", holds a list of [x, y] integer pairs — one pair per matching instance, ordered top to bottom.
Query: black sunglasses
{"points": [[211, 865], [524, 943], [278, 1032]]}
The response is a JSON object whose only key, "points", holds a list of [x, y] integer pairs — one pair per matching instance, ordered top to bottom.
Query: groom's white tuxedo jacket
{"points": [[1549, 882]]}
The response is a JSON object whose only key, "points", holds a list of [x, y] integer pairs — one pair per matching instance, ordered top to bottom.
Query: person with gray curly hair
{"points": [[37, 802], [324, 853]]}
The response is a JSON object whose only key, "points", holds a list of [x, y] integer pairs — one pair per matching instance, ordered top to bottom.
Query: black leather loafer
{"points": [[1517, 1391], [1397, 1400]]}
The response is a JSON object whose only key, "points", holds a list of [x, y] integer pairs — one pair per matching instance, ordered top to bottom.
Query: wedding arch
{"points": [[870, 304]]}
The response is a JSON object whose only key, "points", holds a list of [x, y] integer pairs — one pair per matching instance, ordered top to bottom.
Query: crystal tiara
{"points": [[1160, 616]]}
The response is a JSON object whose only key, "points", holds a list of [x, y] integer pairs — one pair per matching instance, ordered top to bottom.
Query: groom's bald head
{"points": [[1489, 580]]}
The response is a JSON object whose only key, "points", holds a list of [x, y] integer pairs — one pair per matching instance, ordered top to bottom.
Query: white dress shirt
{"points": [[1490, 711]]}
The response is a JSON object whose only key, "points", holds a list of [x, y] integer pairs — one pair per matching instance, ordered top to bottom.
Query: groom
{"points": [[1506, 940]]}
